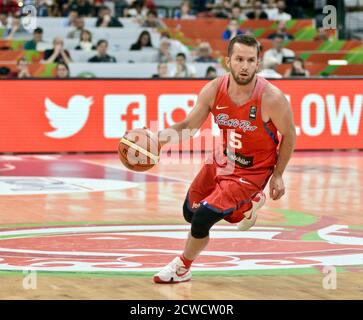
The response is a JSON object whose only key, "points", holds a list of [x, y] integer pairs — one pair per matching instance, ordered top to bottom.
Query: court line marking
{"points": [[111, 166], [8, 167], [118, 228], [123, 255]]}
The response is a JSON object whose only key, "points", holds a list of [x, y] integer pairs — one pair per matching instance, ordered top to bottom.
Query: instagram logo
{"points": [[173, 108]]}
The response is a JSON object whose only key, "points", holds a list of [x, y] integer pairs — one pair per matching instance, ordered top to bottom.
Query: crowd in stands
{"points": [[243, 9], [252, 9], [169, 51]]}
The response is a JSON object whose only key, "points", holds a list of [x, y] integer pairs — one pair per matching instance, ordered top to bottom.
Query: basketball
{"points": [[139, 150]]}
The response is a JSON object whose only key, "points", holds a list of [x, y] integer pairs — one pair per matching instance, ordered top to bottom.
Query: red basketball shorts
{"points": [[229, 195]]}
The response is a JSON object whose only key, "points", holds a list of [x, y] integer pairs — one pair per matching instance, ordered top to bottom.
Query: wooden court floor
{"points": [[83, 227]]}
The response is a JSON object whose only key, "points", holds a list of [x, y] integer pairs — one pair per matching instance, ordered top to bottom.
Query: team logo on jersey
{"points": [[253, 113], [223, 119]]}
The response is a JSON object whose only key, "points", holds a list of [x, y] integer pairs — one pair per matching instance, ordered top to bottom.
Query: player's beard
{"points": [[245, 81]]}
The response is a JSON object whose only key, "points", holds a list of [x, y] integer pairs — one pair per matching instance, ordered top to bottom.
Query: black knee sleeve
{"points": [[187, 213], [203, 219]]}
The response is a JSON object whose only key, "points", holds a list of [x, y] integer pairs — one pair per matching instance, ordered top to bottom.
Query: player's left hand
{"points": [[277, 187]]}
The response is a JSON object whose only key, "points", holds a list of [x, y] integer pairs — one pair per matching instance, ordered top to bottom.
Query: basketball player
{"points": [[249, 110]]}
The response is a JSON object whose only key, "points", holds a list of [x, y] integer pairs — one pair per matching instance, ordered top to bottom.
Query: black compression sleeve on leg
{"points": [[188, 214], [203, 219]]}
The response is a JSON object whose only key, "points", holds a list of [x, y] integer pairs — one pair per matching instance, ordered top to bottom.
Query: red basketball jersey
{"points": [[247, 140]]}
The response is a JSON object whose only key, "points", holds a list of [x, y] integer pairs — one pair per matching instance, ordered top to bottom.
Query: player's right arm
{"points": [[189, 126]]}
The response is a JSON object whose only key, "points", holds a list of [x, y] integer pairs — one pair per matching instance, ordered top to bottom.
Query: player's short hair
{"points": [[249, 41]]}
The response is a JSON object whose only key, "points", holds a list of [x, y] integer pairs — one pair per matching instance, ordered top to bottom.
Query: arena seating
{"points": [[50, 22], [119, 34], [315, 53], [147, 55], [315, 69], [127, 70]]}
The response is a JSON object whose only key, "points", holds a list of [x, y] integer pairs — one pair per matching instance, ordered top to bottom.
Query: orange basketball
{"points": [[139, 150]]}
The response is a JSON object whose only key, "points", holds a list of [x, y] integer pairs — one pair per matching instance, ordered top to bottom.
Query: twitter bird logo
{"points": [[67, 121]]}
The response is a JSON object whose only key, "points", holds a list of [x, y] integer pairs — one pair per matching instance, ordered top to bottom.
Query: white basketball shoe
{"points": [[251, 215], [174, 272]]}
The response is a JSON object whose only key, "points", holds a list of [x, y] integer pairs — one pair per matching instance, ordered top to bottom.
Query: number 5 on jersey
{"points": [[235, 140]]}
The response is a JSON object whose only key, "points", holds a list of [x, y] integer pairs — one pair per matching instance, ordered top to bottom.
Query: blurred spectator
{"points": [[97, 5], [150, 5], [203, 5], [120, 6], [9, 7], [63, 7], [83, 7], [48, 8], [139, 9], [222, 9], [271, 9], [295, 9], [55, 10], [185, 11], [257, 11], [237, 14], [281, 15], [71, 18], [3, 20], [106, 20], [152, 21], [79, 26], [16, 29], [232, 30], [281, 31], [249, 32], [322, 35], [85, 41], [144, 41], [37, 42], [175, 45], [204, 53], [58, 54], [164, 54], [281, 54], [102, 56], [182, 69], [269, 69], [297, 69], [22, 70], [62, 71], [162, 71], [4, 72], [211, 73]]}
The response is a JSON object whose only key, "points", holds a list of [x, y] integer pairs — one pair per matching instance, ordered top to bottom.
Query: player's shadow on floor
{"points": [[179, 291]]}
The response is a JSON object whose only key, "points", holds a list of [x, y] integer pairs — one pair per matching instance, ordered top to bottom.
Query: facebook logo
{"points": [[123, 112]]}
